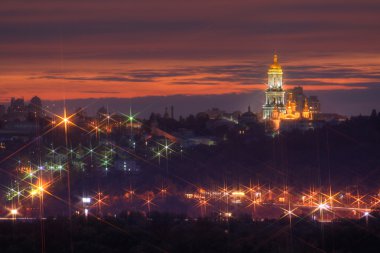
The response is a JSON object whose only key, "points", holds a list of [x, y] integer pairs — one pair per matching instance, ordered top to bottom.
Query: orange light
{"points": [[237, 193]]}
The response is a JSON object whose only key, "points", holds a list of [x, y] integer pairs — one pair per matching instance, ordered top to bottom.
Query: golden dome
{"points": [[275, 68]]}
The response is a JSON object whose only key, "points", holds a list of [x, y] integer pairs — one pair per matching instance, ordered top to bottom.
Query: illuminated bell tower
{"points": [[275, 94]]}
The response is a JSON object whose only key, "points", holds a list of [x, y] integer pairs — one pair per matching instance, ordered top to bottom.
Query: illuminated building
{"points": [[275, 94], [297, 96], [287, 106], [306, 112]]}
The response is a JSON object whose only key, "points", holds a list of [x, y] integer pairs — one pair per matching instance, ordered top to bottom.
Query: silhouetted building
{"points": [[17, 105], [314, 105], [35, 107], [172, 112], [166, 114], [247, 117]]}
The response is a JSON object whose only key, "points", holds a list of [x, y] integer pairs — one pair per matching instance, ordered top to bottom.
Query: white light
{"points": [[86, 200], [323, 206], [14, 212], [86, 212], [366, 213]]}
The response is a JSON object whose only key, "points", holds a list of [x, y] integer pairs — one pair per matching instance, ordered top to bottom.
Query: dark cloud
{"points": [[189, 29], [321, 43], [244, 74], [95, 78], [192, 82], [99, 92]]}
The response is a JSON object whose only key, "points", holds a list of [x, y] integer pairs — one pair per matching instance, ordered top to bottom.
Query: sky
{"points": [[202, 51]]}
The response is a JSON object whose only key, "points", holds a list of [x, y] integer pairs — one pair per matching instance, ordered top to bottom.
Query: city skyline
{"points": [[214, 49], [189, 126]]}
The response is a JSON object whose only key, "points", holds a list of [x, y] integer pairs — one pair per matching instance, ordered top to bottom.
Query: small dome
{"points": [[36, 101], [248, 114]]}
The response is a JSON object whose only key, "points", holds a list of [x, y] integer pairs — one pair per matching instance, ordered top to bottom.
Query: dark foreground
{"points": [[134, 232]]}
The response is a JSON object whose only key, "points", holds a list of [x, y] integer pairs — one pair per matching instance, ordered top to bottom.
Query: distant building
{"points": [[275, 94], [296, 94], [17, 105], [291, 105], [314, 105], [35, 107], [2, 110], [102, 113], [215, 113], [166, 114], [248, 117], [330, 117], [187, 138]]}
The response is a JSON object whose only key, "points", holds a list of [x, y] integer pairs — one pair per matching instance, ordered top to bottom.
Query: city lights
{"points": [[190, 126], [109, 152], [86, 200], [323, 206]]}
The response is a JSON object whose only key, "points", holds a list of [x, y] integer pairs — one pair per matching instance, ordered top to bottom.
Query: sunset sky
{"points": [[137, 48]]}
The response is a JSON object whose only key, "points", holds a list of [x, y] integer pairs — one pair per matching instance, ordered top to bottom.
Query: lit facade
{"points": [[275, 93], [282, 105]]}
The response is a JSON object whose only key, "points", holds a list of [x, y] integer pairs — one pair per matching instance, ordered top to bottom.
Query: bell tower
{"points": [[274, 94]]}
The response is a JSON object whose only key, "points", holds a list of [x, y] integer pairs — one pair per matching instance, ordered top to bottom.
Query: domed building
{"points": [[275, 93], [286, 106], [35, 107], [248, 117]]}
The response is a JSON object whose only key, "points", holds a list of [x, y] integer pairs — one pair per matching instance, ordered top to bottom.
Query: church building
{"points": [[275, 93], [286, 105]]}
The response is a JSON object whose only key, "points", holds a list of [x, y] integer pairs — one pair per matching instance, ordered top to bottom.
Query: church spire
{"points": [[275, 58], [275, 74], [275, 94]]}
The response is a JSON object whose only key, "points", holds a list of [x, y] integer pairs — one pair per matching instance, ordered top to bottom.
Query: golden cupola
{"points": [[275, 67], [275, 75]]}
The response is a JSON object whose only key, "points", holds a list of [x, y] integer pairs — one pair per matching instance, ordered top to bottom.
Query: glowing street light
{"points": [[86, 200], [323, 206], [13, 213]]}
